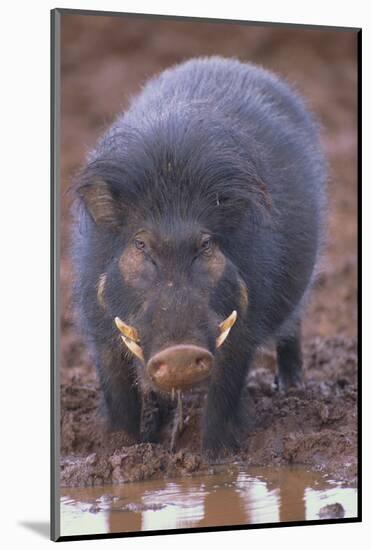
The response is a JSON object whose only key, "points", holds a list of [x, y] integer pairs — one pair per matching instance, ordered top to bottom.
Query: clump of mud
{"points": [[315, 425], [332, 511]]}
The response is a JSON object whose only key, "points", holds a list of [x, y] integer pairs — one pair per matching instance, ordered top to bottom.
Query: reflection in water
{"points": [[185, 496], [239, 498]]}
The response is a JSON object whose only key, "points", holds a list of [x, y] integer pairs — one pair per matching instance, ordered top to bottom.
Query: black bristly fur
{"points": [[209, 145]]}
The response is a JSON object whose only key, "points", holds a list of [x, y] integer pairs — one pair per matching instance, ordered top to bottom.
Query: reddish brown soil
{"points": [[104, 61]]}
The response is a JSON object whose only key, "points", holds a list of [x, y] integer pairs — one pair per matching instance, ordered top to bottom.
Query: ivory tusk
{"points": [[225, 327], [126, 330], [130, 337], [133, 347]]}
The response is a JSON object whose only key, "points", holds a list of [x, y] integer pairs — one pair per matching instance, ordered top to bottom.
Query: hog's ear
{"points": [[101, 203]]}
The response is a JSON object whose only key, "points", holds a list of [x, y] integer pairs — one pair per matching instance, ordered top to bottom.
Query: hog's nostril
{"points": [[200, 363], [159, 369]]}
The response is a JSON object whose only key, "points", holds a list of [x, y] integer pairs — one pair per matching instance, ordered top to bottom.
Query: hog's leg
{"points": [[289, 359], [121, 397], [155, 410], [223, 411]]}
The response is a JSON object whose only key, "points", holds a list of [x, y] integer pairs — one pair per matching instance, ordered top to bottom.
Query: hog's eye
{"points": [[139, 244], [206, 246]]}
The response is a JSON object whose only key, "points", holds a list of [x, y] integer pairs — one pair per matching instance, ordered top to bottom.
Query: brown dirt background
{"points": [[105, 60]]}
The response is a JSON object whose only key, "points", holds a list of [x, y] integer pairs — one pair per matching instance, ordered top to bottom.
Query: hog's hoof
{"points": [[283, 384], [149, 436], [222, 447], [218, 458]]}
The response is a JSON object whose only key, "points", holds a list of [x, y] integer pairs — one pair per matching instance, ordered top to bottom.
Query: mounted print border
{"points": [[203, 221]]}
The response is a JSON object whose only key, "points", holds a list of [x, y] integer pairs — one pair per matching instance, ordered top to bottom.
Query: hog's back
{"points": [[276, 255]]}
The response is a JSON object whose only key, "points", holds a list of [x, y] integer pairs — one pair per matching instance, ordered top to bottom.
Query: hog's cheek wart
{"points": [[131, 265], [216, 267], [100, 289], [244, 297]]}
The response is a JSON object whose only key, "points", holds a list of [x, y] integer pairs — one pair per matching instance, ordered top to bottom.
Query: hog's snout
{"points": [[180, 367]]}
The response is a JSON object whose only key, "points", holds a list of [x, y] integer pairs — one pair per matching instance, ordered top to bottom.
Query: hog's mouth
{"points": [[178, 367]]}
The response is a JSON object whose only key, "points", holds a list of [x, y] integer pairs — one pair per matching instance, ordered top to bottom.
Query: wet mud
{"points": [[104, 61]]}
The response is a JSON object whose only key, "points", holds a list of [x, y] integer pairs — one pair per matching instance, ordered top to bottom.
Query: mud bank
{"points": [[315, 426]]}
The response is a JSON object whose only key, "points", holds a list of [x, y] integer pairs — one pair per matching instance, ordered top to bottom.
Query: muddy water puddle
{"points": [[241, 498]]}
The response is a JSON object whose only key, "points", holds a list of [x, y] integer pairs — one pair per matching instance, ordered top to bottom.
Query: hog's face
{"points": [[178, 283]]}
